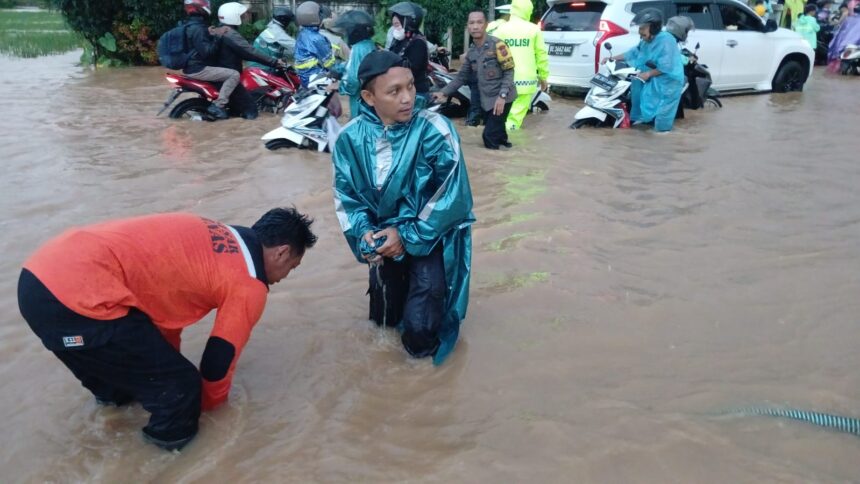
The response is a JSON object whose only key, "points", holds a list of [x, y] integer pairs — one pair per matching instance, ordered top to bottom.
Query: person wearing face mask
{"points": [[410, 43], [657, 92], [403, 200]]}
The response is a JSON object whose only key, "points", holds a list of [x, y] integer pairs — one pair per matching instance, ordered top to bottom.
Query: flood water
{"points": [[627, 288]]}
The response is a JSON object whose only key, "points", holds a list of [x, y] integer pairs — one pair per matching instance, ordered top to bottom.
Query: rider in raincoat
{"points": [[358, 27], [275, 41], [313, 51], [531, 61], [656, 98], [400, 178]]}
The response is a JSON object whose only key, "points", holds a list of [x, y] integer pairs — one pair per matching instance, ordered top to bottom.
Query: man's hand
{"points": [[217, 30], [281, 64], [644, 75], [543, 85], [438, 97], [499, 107], [368, 237], [392, 246]]}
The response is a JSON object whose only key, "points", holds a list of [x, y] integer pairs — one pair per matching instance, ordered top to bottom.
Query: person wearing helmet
{"points": [[503, 13], [680, 26], [358, 27], [333, 34], [274, 41], [205, 42], [410, 43], [234, 50], [313, 51], [658, 59], [531, 60], [404, 204]]}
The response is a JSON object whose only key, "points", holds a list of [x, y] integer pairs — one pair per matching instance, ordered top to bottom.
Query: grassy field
{"points": [[33, 34]]}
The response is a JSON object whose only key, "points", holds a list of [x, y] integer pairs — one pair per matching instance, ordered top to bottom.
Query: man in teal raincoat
{"points": [[358, 26], [655, 96], [403, 201]]}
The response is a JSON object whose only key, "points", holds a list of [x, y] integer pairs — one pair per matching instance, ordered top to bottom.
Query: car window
{"points": [[666, 7], [699, 13], [573, 17], [736, 18]]}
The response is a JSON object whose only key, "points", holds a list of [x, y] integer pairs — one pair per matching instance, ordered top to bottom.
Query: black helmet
{"points": [[410, 14], [283, 15], [651, 16], [356, 24], [680, 26]]}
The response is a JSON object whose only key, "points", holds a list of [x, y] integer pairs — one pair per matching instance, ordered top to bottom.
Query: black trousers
{"points": [[475, 114], [494, 128], [410, 295], [119, 361]]}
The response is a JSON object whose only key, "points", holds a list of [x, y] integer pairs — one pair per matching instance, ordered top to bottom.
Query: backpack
{"points": [[173, 52]]}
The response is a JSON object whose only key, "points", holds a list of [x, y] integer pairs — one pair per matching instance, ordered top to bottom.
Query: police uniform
{"points": [[491, 63]]}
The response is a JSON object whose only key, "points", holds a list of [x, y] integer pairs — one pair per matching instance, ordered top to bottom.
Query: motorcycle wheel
{"points": [[844, 68], [712, 103], [540, 107], [193, 108], [581, 123], [276, 144]]}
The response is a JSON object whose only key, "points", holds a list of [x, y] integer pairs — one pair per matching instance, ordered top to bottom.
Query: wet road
{"points": [[626, 287]]}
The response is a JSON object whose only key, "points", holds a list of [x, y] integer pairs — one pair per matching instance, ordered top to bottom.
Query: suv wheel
{"points": [[789, 77]]}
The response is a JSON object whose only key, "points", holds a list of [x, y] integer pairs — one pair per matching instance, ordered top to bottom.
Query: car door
{"points": [[705, 34], [747, 52]]}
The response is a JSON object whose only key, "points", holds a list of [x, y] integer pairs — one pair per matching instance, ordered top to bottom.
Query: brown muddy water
{"points": [[627, 287]]}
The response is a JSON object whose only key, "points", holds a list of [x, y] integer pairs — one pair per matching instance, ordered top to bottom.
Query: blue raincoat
{"points": [[313, 54], [350, 84], [657, 99], [411, 176]]}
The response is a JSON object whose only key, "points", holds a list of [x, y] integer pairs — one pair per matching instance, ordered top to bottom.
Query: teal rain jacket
{"points": [[350, 84], [659, 97], [411, 176]]}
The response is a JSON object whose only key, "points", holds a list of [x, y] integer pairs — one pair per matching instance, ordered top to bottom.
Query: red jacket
{"points": [[175, 268]]}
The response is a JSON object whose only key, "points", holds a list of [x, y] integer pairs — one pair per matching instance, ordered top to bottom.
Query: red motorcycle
{"points": [[272, 92]]}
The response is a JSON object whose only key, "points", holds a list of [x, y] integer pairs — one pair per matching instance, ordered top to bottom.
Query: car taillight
{"points": [[577, 4], [540, 25], [605, 31]]}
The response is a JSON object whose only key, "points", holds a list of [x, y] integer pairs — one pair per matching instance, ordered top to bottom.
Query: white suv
{"points": [[742, 52]]}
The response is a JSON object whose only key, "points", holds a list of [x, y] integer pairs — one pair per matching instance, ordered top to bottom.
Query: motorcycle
{"points": [[849, 60], [271, 92], [608, 101], [457, 105], [307, 122]]}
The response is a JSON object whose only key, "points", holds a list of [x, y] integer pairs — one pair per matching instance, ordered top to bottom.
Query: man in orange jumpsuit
{"points": [[111, 299]]}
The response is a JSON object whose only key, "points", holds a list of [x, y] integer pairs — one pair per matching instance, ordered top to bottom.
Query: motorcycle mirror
{"points": [[608, 46]]}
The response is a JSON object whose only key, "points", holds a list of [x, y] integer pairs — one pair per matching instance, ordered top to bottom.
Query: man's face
{"points": [[477, 25], [645, 32], [392, 95], [279, 261]]}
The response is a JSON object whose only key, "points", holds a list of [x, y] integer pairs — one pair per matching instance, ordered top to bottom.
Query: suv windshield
{"points": [[573, 17]]}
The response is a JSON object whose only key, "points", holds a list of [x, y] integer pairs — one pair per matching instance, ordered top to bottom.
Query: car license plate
{"points": [[560, 49], [604, 82]]}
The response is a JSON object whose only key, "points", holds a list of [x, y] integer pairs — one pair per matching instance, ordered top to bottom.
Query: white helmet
{"points": [[231, 13]]}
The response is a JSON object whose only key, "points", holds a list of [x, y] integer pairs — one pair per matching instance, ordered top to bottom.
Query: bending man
{"points": [[110, 301]]}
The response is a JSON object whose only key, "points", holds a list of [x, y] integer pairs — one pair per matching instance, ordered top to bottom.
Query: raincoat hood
{"points": [[522, 9]]}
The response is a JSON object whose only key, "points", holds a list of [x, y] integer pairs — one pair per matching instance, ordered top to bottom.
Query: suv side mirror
{"points": [[770, 25]]}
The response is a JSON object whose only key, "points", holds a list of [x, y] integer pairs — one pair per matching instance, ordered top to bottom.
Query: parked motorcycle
{"points": [[849, 60], [272, 92], [698, 93], [307, 122]]}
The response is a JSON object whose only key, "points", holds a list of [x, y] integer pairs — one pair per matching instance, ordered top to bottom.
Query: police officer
{"points": [[503, 14], [526, 44], [490, 61]]}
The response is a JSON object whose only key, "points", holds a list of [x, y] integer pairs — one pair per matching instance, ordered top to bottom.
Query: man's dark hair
{"points": [[810, 8], [478, 10], [280, 226]]}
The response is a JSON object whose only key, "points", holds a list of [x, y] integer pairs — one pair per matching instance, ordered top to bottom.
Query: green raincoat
{"points": [[349, 84], [411, 176]]}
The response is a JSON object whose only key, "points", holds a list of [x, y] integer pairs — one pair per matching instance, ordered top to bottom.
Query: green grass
{"points": [[34, 34]]}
